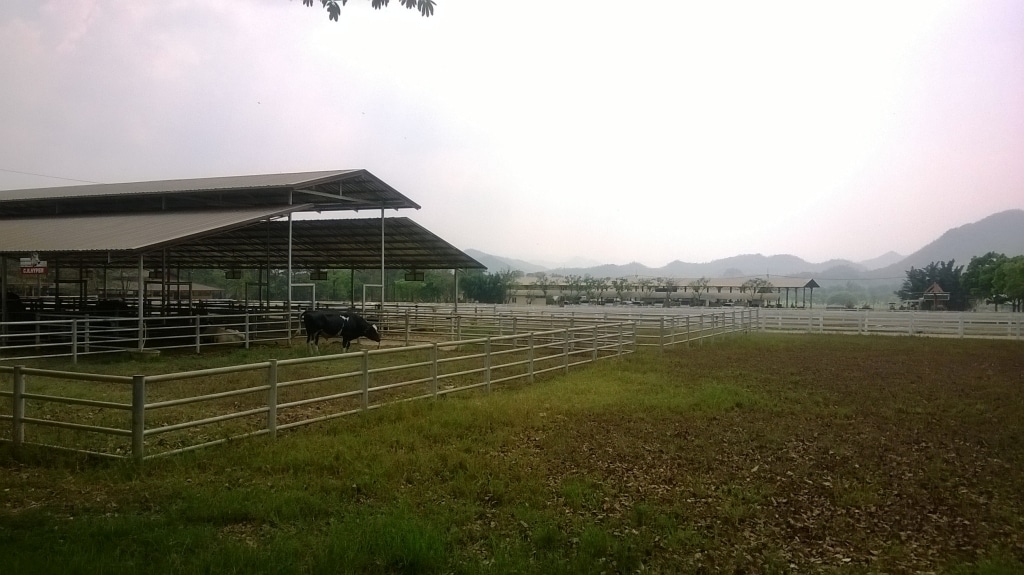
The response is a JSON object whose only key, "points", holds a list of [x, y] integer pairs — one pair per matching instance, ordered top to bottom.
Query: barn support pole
{"points": [[382, 286], [456, 290], [3, 296], [141, 299], [288, 299]]}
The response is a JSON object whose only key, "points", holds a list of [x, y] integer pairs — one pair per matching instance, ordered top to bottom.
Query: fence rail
{"points": [[920, 323], [57, 335], [145, 416]]}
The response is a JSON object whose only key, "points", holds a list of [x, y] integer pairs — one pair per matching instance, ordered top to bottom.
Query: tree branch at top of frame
{"points": [[425, 7]]}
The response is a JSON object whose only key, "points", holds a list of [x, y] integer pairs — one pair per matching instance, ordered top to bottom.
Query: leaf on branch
{"points": [[307, 2], [378, 4], [426, 7], [333, 10]]}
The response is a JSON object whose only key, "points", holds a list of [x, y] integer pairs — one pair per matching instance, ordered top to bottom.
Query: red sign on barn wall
{"points": [[32, 265]]}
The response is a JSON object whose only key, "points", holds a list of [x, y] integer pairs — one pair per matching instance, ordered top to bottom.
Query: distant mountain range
{"points": [[1002, 232]]}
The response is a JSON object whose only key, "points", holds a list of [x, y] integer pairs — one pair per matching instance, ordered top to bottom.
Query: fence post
{"points": [[406, 328], [458, 328], [621, 328], [248, 331], [687, 331], [85, 334], [661, 334], [197, 335], [700, 336], [74, 341], [595, 342], [565, 352], [530, 355], [487, 364], [433, 370], [366, 379], [272, 398], [18, 413], [138, 417]]}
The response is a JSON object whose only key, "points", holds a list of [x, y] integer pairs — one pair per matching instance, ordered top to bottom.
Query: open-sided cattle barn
{"points": [[239, 222]]}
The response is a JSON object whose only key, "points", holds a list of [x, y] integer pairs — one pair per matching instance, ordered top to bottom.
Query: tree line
{"points": [[992, 279]]}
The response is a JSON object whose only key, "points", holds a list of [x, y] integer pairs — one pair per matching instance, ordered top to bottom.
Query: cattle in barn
{"points": [[16, 310], [348, 326], [217, 334]]}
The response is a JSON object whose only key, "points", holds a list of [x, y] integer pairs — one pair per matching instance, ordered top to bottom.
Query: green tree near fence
{"points": [[947, 274], [980, 279], [1009, 281], [620, 285], [698, 286], [487, 287]]}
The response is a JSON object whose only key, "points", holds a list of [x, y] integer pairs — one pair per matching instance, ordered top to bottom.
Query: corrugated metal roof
{"points": [[293, 180], [325, 190], [225, 222], [122, 232], [244, 238], [326, 244]]}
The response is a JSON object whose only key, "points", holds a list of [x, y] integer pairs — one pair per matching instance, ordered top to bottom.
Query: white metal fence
{"points": [[991, 325], [56, 335], [74, 336], [444, 351], [147, 416]]}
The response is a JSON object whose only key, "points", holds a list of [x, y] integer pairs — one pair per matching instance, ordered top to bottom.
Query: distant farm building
{"points": [[760, 291]]}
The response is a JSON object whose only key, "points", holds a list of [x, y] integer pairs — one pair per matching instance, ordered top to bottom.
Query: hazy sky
{"points": [[544, 129]]}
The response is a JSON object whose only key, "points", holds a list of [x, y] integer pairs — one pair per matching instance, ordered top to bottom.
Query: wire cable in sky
{"points": [[47, 176]]}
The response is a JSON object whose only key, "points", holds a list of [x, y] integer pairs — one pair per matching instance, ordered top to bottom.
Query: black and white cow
{"points": [[348, 326]]}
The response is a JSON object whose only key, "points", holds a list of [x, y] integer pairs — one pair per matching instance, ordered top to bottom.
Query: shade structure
{"points": [[333, 190], [224, 222], [232, 239]]}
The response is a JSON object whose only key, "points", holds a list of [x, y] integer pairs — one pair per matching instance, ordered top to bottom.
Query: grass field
{"points": [[757, 454]]}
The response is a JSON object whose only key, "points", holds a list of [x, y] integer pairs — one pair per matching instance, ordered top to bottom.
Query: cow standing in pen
{"points": [[347, 326]]}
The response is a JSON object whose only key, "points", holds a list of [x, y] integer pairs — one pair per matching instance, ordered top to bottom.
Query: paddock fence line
{"points": [[414, 325], [988, 325], [68, 335], [76, 335], [145, 416]]}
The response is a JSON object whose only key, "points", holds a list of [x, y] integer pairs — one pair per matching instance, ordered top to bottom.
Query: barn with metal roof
{"points": [[238, 222]]}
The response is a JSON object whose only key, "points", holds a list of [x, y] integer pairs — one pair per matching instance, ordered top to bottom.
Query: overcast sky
{"points": [[543, 129]]}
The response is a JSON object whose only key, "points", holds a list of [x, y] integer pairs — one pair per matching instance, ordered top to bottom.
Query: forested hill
{"points": [[1002, 232]]}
